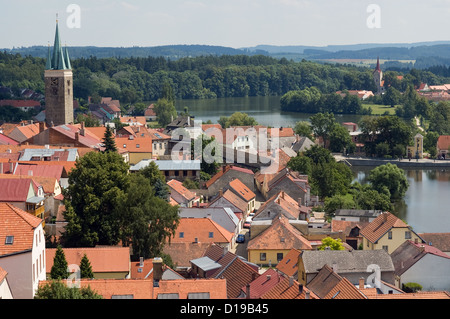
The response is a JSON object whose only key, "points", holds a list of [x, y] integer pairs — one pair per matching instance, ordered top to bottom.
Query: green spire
{"points": [[59, 56], [66, 58]]}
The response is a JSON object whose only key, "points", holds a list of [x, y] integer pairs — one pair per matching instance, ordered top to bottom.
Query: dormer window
{"points": [[9, 240]]}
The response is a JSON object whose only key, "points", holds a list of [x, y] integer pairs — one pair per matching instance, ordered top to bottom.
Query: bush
{"points": [[411, 287]]}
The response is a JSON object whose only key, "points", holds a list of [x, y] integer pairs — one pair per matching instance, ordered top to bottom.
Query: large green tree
{"points": [[389, 179], [97, 187], [59, 268], [86, 268], [59, 290]]}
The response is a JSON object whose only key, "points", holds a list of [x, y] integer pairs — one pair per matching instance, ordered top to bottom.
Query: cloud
{"points": [[129, 6]]}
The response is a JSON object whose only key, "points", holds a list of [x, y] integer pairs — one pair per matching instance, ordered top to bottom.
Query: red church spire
{"points": [[378, 64]]}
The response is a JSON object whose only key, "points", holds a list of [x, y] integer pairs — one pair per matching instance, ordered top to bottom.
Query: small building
{"points": [[443, 146], [180, 194], [356, 215], [386, 232], [420, 263]]}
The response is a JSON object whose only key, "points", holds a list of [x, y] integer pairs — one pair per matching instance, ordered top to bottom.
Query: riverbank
{"points": [[406, 163]]}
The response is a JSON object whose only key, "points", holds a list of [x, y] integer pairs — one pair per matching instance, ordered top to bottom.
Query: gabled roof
{"points": [[71, 132], [5, 140], [135, 145], [225, 170], [55, 171], [48, 183], [178, 187], [15, 189], [242, 190], [232, 199], [290, 207], [221, 215], [19, 224], [381, 225], [346, 226], [199, 229], [280, 235], [438, 240], [409, 252], [102, 259], [354, 261], [289, 264], [325, 280], [262, 284], [192, 288], [288, 288], [344, 289]]}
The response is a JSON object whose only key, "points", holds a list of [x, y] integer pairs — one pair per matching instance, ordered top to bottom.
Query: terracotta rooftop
{"points": [[443, 142], [135, 145], [224, 170], [178, 187], [15, 189], [242, 190], [19, 224], [381, 225], [201, 230], [438, 240], [102, 259], [289, 264], [262, 284], [186, 288], [288, 288], [344, 289]]}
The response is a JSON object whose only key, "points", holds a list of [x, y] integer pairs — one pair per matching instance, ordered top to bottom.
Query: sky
{"points": [[231, 23]]}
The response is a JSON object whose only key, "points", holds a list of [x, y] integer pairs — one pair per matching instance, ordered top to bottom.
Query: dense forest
{"points": [[135, 79]]}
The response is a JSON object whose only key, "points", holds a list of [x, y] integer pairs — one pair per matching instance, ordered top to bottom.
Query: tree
{"points": [[392, 96], [165, 111], [237, 119], [322, 124], [303, 128], [340, 139], [108, 140], [208, 149], [301, 164], [391, 178], [157, 180], [97, 186], [331, 204], [149, 221], [333, 244], [59, 268], [86, 268], [59, 290]]}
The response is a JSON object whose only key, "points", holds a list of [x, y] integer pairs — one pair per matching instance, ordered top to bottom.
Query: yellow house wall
{"points": [[137, 157], [398, 238], [271, 256]]}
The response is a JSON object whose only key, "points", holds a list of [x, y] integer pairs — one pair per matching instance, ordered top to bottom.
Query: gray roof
{"points": [[28, 153], [169, 165], [35, 199], [358, 213], [223, 216], [346, 261], [206, 263]]}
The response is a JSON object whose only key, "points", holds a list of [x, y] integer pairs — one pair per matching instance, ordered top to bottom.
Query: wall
{"points": [[398, 238], [271, 256], [431, 272], [19, 274], [5, 291]]}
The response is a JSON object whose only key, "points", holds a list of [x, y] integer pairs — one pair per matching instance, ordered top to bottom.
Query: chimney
{"points": [[41, 127], [82, 131], [77, 136], [1, 167], [221, 192], [282, 194], [299, 201], [384, 217], [416, 240], [141, 261], [157, 270], [268, 277], [291, 281], [361, 283], [300, 289], [247, 291], [307, 293]]}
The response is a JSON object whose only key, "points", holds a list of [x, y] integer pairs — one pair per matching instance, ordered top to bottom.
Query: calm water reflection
{"points": [[426, 205]]}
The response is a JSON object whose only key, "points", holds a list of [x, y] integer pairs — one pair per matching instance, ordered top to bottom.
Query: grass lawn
{"points": [[379, 109]]}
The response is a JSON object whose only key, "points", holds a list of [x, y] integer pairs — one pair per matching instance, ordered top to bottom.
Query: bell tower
{"points": [[378, 77], [58, 79]]}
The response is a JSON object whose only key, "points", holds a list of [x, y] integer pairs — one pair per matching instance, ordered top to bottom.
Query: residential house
{"points": [[361, 94], [23, 105], [150, 114], [133, 120], [186, 122], [24, 132], [5, 140], [160, 143], [301, 144], [443, 146], [138, 148], [173, 169], [227, 174], [291, 182], [241, 190], [23, 193], [180, 194], [232, 201], [282, 203], [221, 215], [356, 215], [202, 230], [351, 230], [386, 232], [440, 241], [271, 245], [22, 250], [183, 252], [109, 262], [217, 263], [421, 263], [353, 265], [288, 266], [143, 269], [327, 284], [258, 287], [289, 288], [192, 289], [5, 290]]}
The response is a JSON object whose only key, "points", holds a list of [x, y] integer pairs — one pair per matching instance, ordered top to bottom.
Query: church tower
{"points": [[378, 78], [58, 85]]}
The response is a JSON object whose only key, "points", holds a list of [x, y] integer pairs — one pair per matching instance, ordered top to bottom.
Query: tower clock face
{"points": [[54, 81]]}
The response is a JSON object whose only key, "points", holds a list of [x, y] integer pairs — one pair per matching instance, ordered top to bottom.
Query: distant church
{"points": [[378, 78], [58, 85]]}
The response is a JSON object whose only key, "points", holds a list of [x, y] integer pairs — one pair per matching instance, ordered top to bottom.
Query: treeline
{"points": [[311, 100]]}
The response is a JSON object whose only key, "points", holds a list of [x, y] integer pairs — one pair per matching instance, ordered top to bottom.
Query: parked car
{"points": [[247, 224], [240, 238]]}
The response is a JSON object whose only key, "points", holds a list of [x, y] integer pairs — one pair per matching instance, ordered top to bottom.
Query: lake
{"points": [[426, 206]]}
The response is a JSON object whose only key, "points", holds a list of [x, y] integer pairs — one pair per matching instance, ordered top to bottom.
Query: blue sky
{"points": [[233, 23]]}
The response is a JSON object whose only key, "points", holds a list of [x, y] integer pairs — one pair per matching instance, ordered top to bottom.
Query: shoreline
{"points": [[404, 163]]}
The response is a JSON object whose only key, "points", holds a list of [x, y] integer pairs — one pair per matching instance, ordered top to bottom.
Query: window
{"points": [[138, 146], [181, 234], [211, 234], [390, 235], [407, 235], [9, 240], [385, 247], [262, 256], [279, 256]]}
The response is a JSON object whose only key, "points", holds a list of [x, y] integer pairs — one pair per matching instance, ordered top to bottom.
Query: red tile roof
{"points": [[5, 140], [443, 142], [135, 145], [224, 170], [54, 171], [178, 187], [14, 189], [242, 189], [18, 223], [381, 225], [200, 229], [102, 259], [289, 264], [263, 283], [216, 288], [288, 288], [345, 290]]}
